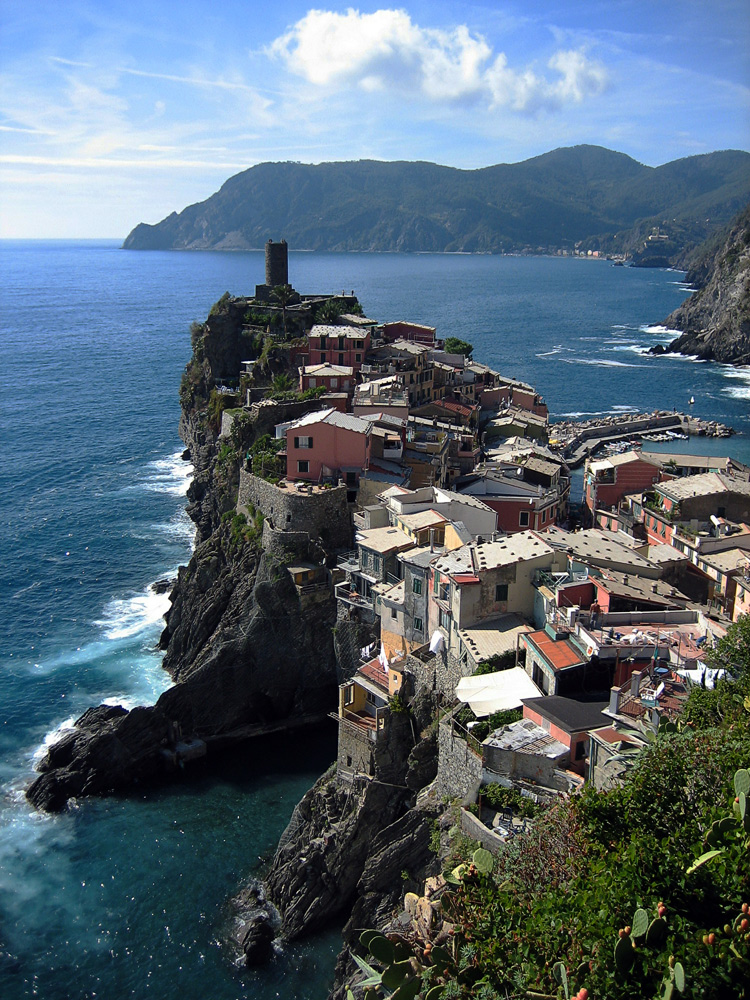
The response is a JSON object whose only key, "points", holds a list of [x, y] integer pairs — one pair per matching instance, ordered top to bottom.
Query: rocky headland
{"points": [[715, 320], [250, 654], [244, 658]]}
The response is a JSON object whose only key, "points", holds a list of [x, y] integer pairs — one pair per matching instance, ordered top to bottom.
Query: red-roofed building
{"points": [[413, 332], [451, 410], [555, 664]]}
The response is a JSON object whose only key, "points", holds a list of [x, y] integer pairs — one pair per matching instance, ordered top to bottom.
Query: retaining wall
{"points": [[323, 515], [459, 768]]}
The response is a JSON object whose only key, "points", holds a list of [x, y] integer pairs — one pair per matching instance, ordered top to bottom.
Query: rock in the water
{"points": [[257, 923]]}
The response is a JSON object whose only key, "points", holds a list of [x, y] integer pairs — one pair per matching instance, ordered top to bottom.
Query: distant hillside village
{"points": [[421, 489]]}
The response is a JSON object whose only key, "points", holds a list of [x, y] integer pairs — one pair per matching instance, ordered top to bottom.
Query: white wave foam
{"points": [[658, 328], [638, 349], [599, 363], [741, 373], [737, 392], [615, 411], [168, 475], [124, 618]]}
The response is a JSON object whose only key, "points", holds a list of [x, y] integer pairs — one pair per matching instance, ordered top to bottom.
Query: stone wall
{"points": [[323, 514], [350, 636], [439, 673], [356, 752], [517, 766], [459, 768], [475, 829]]}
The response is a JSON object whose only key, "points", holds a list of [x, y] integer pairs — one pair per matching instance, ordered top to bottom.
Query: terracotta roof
{"points": [[560, 653], [374, 672]]}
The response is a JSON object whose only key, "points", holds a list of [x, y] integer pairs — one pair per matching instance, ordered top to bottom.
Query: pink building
{"points": [[338, 345], [335, 378], [326, 444], [608, 480]]}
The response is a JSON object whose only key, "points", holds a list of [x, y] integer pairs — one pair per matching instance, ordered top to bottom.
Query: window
{"points": [[322, 343], [342, 343], [359, 343], [323, 357], [357, 357], [341, 359], [312, 383], [334, 383], [304, 443], [303, 466], [351, 479], [523, 519], [416, 586], [501, 592], [394, 613], [445, 620], [418, 624], [349, 694], [580, 750], [348, 760]]}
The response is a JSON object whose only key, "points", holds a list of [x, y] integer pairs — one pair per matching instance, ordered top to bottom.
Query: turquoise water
{"points": [[123, 897]]}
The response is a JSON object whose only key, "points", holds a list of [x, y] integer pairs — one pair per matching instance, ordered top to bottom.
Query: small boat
{"points": [[691, 400]]}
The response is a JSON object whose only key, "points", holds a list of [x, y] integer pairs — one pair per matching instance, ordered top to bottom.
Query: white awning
{"points": [[496, 692]]}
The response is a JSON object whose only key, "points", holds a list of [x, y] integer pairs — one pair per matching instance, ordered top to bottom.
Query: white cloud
{"points": [[386, 50]]}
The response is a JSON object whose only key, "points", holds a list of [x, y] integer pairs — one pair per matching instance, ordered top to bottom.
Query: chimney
{"points": [[432, 539], [635, 683], [614, 700]]}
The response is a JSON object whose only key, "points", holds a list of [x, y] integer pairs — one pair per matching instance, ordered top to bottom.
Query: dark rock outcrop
{"points": [[715, 320], [244, 657], [256, 923]]}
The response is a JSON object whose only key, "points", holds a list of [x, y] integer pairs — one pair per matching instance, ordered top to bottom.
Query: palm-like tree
{"points": [[283, 294]]}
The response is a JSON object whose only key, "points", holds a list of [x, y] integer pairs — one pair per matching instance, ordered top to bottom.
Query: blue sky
{"points": [[116, 113]]}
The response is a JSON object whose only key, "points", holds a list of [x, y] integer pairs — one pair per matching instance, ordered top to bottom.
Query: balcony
{"points": [[349, 562], [356, 602], [361, 721]]}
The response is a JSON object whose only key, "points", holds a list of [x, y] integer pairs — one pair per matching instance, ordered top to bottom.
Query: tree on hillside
{"points": [[283, 294], [454, 345]]}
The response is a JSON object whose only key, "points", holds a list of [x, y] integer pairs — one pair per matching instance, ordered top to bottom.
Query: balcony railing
{"points": [[355, 601]]}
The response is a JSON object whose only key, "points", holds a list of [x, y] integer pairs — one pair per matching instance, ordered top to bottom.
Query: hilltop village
{"points": [[428, 495], [386, 538], [464, 565]]}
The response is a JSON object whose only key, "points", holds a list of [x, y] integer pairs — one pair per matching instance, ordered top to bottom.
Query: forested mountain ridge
{"points": [[569, 196]]}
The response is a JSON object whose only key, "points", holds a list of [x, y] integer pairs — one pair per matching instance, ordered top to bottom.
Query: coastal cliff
{"points": [[715, 320], [245, 654]]}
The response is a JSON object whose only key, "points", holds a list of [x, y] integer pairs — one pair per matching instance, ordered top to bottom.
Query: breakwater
{"points": [[575, 440]]}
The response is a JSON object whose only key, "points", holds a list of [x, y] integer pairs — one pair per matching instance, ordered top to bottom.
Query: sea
{"points": [[126, 897]]}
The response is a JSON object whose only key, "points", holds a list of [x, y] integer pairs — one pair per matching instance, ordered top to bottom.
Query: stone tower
{"points": [[277, 264]]}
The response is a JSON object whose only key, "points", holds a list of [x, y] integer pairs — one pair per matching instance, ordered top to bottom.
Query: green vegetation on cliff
{"points": [[554, 200], [634, 892]]}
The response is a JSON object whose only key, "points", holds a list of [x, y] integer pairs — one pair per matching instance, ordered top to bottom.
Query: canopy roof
{"points": [[504, 689]]}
